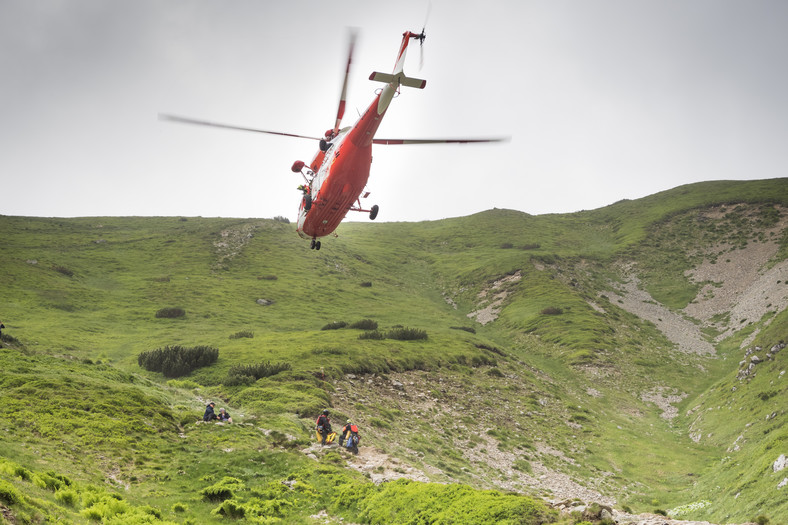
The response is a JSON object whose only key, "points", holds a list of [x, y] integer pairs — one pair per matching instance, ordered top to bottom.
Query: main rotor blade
{"points": [[343, 97], [184, 120], [396, 142]]}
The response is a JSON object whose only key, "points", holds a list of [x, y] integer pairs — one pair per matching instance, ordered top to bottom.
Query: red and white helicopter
{"points": [[335, 180]]}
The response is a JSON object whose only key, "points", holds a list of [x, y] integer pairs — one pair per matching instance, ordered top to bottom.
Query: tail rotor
{"points": [[423, 36]]}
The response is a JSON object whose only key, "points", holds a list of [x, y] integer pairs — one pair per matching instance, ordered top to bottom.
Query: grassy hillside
{"points": [[560, 385]]}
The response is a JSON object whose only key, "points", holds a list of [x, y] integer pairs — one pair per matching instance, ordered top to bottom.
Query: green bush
{"points": [[551, 310], [170, 313], [365, 324], [336, 325], [243, 333], [373, 334], [406, 334], [492, 349], [177, 361], [259, 370], [239, 380], [22, 472], [51, 481], [222, 490], [8, 493], [67, 497], [179, 507], [230, 509]]}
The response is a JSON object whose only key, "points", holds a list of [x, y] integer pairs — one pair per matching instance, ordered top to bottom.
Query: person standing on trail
{"points": [[323, 425], [350, 433]]}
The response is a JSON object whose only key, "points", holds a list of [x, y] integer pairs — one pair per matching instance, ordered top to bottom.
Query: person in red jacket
{"points": [[323, 425]]}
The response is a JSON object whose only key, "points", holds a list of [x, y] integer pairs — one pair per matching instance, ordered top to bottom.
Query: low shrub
{"points": [[267, 278], [366, 284], [551, 310], [170, 313], [365, 324], [336, 325], [469, 329], [243, 333], [372, 334], [406, 334], [492, 349], [177, 361], [259, 370], [239, 380], [51, 481], [222, 490], [8, 493], [67, 497], [179, 507], [105, 508], [230, 509]]}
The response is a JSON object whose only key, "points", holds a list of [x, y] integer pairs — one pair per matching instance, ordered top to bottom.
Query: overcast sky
{"points": [[603, 100]]}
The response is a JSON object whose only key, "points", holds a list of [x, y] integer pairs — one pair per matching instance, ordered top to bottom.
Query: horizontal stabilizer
{"points": [[398, 80]]}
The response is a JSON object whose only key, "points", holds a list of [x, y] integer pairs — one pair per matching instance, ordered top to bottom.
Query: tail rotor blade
{"points": [[343, 96]]}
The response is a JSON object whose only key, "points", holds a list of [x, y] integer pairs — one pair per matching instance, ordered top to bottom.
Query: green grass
{"points": [[80, 302]]}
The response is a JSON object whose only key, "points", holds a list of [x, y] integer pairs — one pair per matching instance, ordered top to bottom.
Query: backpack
{"points": [[352, 440]]}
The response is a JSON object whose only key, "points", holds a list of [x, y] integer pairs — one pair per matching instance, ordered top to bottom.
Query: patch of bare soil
{"points": [[231, 241], [739, 288], [492, 297], [685, 334], [422, 399], [371, 461]]}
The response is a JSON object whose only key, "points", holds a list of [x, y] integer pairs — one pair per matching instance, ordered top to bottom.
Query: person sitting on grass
{"points": [[209, 414], [224, 416]]}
